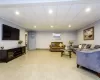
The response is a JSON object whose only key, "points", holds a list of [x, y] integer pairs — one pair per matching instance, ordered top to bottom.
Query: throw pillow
{"points": [[53, 44], [60, 44], [80, 46], [88, 46], [92, 46], [85, 47], [97, 47]]}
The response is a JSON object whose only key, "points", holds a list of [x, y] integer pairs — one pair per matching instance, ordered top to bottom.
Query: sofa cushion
{"points": [[75, 46], [57, 47]]}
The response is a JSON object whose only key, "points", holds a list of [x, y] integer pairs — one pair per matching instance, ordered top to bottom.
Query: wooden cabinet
{"points": [[9, 54]]}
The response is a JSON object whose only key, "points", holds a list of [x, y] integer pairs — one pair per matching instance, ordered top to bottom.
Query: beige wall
{"points": [[43, 39], [96, 40], [11, 43]]}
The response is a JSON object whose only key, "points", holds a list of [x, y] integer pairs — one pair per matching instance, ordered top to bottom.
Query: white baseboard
{"points": [[42, 49]]}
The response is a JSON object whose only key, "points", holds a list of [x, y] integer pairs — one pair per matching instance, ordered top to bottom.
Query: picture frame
{"points": [[88, 33]]}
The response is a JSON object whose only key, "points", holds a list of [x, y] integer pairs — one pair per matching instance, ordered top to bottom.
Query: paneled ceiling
{"points": [[65, 13]]}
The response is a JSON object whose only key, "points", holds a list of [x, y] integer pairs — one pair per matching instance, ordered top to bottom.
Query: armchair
{"points": [[89, 59]]}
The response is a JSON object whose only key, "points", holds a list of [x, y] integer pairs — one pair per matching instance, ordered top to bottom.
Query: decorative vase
{"points": [[2, 48]]}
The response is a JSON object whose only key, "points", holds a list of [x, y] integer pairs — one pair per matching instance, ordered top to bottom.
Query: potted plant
{"points": [[20, 42], [70, 43], [2, 47]]}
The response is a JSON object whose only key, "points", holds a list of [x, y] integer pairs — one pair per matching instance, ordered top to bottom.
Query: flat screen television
{"points": [[10, 33]]}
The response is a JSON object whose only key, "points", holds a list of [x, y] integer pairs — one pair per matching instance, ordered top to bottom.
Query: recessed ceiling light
{"points": [[87, 9], [50, 11], [17, 13], [34, 26], [52, 26], [69, 26]]}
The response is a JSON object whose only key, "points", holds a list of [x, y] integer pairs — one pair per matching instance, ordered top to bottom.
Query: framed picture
{"points": [[89, 33], [56, 36]]}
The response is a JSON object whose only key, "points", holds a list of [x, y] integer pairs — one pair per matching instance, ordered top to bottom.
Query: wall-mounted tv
{"points": [[10, 33]]}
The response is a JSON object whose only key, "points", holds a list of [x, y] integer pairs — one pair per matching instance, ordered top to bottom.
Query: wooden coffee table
{"points": [[69, 52]]}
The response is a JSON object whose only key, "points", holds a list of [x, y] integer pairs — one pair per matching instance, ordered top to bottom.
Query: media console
{"points": [[10, 54]]}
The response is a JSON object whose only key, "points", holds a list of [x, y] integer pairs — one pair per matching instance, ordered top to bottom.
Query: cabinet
{"points": [[10, 54]]}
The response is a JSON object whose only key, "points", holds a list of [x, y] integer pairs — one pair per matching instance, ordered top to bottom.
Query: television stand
{"points": [[10, 54]]}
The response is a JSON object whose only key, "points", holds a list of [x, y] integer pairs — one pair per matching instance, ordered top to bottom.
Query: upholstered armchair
{"points": [[56, 46], [89, 59]]}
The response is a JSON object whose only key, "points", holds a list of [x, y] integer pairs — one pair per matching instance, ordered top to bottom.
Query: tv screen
{"points": [[9, 33]]}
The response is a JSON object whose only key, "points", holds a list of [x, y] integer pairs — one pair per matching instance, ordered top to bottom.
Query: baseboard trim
{"points": [[42, 49]]}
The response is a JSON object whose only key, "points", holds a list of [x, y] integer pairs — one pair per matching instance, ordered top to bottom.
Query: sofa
{"points": [[56, 46], [84, 46], [89, 59]]}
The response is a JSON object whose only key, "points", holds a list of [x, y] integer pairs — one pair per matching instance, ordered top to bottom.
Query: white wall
{"points": [[43, 39], [96, 40], [11, 43]]}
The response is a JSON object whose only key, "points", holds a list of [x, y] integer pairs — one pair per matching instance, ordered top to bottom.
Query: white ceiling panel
{"points": [[64, 13]]}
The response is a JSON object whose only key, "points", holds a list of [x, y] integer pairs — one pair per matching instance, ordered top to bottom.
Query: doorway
{"points": [[26, 40]]}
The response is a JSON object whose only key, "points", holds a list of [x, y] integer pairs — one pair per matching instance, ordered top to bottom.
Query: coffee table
{"points": [[69, 52]]}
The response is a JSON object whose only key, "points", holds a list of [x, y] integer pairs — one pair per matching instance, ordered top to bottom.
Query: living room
{"points": [[49, 39]]}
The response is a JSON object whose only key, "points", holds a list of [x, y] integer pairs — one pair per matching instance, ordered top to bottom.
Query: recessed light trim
{"points": [[88, 9], [50, 11], [17, 13], [34, 26], [52, 26], [69, 26]]}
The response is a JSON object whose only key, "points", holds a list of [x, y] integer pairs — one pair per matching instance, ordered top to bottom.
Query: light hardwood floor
{"points": [[44, 65]]}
